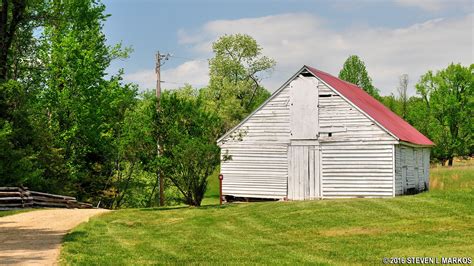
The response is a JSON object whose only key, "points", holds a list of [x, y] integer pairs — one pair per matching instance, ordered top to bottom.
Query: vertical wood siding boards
{"points": [[259, 160], [426, 161], [413, 163], [290, 171], [393, 171], [398, 171], [303, 172], [311, 185]]}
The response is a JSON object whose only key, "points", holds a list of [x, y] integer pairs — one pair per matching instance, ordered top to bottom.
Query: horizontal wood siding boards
{"points": [[353, 125], [258, 149], [357, 159], [351, 170]]}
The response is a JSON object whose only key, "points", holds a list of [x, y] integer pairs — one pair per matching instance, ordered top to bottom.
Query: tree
{"points": [[12, 15], [18, 46], [18, 68], [354, 71], [234, 88], [402, 90], [448, 97], [391, 102], [82, 106], [136, 142], [190, 153], [17, 154]]}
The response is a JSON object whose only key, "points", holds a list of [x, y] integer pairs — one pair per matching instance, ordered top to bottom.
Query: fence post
{"points": [[221, 177]]}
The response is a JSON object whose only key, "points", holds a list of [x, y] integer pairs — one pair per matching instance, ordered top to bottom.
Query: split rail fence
{"points": [[21, 197]]}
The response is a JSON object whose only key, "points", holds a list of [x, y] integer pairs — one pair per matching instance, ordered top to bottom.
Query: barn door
{"points": [[304, 108], [303, 172]]}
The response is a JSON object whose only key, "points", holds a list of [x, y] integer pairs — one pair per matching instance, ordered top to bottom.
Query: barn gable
{"points": [[366, 104], [378, 112], [309, 140], [256, 151]]}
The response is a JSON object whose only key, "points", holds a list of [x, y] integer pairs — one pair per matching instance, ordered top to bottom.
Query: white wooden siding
{"points": [[345, 122], [259, 153], [357, 155], [356, 169], [411, 169], [303, 172]]}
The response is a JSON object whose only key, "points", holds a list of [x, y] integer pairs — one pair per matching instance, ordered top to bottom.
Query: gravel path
{"points": [[34, 238]]}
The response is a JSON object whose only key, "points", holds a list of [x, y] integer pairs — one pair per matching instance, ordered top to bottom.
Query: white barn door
{"points": [[304, 120], [303, 152], [304, 172]]}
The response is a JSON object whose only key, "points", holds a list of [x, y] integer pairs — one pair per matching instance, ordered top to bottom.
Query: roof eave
{"points": [[416, 145]]}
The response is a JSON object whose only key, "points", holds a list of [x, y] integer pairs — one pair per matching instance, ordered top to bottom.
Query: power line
{"points": [[189, 58], [174, 82], [182, 83]]}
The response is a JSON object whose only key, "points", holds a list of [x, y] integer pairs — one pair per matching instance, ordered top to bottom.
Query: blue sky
{"points": [[392, 37]]}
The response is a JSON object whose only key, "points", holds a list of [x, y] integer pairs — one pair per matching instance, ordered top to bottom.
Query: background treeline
{"points": [[442, 109], [69, 127]]}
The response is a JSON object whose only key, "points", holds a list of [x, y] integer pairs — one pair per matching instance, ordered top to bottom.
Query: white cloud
{"points": [[434, 5], [294, 40], [193, 72], [146, 79]]}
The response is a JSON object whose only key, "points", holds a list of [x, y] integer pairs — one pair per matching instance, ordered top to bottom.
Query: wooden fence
{"points": [[21, 197]]}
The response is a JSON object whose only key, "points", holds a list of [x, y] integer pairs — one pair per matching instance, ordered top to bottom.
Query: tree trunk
{"points": [[8, 31], [450, 161], [153, 190], [124, 191]]}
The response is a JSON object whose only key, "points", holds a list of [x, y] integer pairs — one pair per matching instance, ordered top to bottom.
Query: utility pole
{"points": [[159, 149]]}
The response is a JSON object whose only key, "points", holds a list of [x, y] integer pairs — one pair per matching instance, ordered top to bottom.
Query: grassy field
{"points": [[357, 231]]}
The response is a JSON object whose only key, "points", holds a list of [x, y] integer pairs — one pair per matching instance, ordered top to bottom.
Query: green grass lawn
{"points": [[356, 231]]}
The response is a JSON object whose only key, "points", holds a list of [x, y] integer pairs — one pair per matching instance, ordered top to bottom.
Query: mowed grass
{"points": [[334, 232]]}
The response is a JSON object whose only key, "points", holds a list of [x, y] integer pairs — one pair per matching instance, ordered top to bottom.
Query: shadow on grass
{"points": [[216, 206], [203, 207], [166, 208], [74, 236]]}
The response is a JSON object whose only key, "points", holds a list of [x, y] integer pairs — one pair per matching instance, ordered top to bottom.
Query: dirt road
{"points": [[34, 238]]}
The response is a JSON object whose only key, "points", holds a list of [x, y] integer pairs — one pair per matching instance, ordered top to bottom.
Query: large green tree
{"points": [[236, 71], [354, 71], [18, 79], [448, 97], [83, 107], [188, 133], [18, 157], [135, 159]]}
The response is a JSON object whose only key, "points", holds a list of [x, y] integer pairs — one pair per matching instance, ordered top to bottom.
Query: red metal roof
{"points": [[376, 110]]}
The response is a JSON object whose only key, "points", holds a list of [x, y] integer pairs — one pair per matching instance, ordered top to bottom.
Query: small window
{"points": [[324, 95], [329, 134]]}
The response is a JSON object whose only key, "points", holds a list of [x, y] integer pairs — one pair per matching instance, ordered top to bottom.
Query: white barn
{"points": [[320, 137]]}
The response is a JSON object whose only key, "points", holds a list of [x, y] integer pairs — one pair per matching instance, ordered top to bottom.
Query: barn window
{"points": [[329, 134]]}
